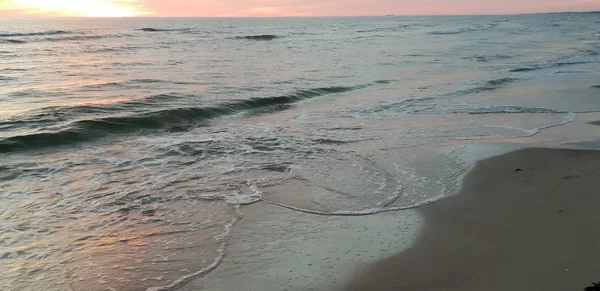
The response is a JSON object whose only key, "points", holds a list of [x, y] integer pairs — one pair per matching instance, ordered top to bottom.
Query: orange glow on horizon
{"points": [[87, 8]]}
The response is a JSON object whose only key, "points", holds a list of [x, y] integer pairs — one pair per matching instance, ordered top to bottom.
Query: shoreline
{"points": [[514, 225], [276, 249], [246, 267]]}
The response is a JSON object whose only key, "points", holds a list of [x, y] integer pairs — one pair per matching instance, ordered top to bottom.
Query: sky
{"points": [[249, 8]]}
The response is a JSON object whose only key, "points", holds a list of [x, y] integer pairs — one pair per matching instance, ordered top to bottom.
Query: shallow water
{"points": [[127, 146]]}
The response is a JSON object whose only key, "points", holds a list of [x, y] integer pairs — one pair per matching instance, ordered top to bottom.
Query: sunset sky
{"points": [[119, 8]]}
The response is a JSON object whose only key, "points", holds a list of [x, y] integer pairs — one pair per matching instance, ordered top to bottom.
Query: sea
{"points": [[129, 147]]}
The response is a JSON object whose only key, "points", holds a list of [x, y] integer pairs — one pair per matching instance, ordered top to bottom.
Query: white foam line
{"points": [[588, 111], [571, 116], [568, 119], [258, 197], [365, 212], [226, 235], [225, 238]]}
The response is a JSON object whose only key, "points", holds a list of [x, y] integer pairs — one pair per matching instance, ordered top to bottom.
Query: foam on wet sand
{"points": [[276, 249]]}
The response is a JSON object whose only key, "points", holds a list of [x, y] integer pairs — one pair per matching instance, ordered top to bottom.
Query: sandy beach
{"points": [[526, 220]]}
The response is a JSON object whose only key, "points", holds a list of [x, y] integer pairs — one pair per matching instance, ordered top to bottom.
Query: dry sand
{"points": [[527, 220]]}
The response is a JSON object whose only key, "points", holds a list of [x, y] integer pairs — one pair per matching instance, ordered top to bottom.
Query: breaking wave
{"points": [[589, 56], [172, 119]]}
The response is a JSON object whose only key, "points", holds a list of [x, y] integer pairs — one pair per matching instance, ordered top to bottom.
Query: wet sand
{"points": [[527, 220], [278, 249]]}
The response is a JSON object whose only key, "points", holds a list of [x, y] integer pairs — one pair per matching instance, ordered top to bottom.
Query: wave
{"points": [[150, 29], [383, 29], [463, 30], [51, 32], [450, 32], [303, 33], [370, 36], [82, 37], [258, 37], [60, 38], [14, 41], [126, 48], [589, 52], [588, 56], [488, 58], [546, 66], [526, 69], [12, 70], [574, 72], [135, 82], [496, 83], [487, 86], [439, 104], [434, 105], [510, 110], [53, 116], [165, 119]]}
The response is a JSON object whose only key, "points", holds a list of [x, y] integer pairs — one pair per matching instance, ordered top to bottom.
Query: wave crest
{"points": [[150, 29], [464, 30], [50, 32], [264, 37], [12, 41], [584, 57], [433, 105], [173, 119]]}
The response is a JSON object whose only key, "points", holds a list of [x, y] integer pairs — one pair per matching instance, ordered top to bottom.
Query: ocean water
{"points": [[128, 147]]}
